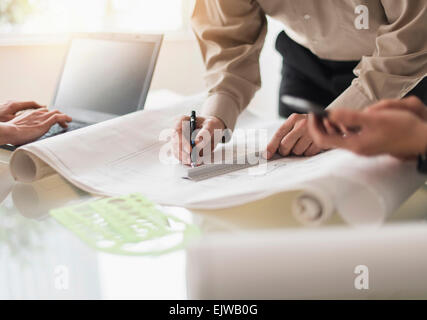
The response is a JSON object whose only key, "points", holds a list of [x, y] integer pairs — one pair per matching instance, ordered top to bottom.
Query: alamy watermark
{"points": [[362, 20], [247, 146], [61, 277], [361, 282]]}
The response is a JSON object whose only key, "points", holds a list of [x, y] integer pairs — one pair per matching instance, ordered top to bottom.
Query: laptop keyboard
{"points": [[57, 129]]}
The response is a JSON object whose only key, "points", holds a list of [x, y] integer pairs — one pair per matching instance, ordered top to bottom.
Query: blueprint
{"points": [[126, 155]]}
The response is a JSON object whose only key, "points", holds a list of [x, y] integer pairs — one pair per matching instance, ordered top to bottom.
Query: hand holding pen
{"points": [[182, 145]]}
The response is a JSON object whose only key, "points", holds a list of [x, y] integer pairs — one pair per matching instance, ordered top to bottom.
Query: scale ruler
{"points": [[213, 170], [208, 171]]}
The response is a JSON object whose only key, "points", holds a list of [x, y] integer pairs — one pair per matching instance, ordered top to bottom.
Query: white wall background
{"points": [[30, 71]]}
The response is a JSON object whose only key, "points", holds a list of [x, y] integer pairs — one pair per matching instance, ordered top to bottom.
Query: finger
{"points": [[412, 104], [19, 106], [416, 106], [45, 115], [53, 119], [63, 119], [181, 121], [184, 121], [200, 121], [64, 123], [315, 124], [182, 127], [315, 127], [330, 128], [339, 128], [284, 129], [205, 135], [319, 135], [181, 140], [290, 140], [337, 141], [184, 144], [302, 145], [181, 148], [184, 149], [312, 150], [202, 151], [182, 156], [199, 156]]}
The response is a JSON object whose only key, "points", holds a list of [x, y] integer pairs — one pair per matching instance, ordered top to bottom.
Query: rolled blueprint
{"points": [[26, 167], [368, 197], [314, 205], [327, 263]]}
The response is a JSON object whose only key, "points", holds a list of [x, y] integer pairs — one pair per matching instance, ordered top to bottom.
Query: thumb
{"points": [[204, 135]]}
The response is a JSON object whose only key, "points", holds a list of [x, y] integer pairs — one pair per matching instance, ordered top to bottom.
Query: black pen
{"points": [[305, 106], [192, 137]]}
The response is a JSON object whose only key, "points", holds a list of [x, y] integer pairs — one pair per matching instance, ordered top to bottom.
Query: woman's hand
{"points": [[9, 110], [30, 126], [396, 127]]}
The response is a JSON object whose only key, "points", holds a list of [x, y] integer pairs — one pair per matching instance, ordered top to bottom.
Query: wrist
{"points": [[222, 106], [219, 123], [7, 133]]}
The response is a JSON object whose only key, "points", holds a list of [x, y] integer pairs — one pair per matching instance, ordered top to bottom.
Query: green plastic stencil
{"points": [[129, 225]]}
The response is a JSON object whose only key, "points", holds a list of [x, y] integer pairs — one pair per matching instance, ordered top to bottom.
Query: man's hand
{"points": [[412, 104], [9, 110], [31, 125], [395, 127], [205, 135], [293, 138]]}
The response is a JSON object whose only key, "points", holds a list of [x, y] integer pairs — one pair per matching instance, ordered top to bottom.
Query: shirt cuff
{"points": [[351, 98], [223, 107]]}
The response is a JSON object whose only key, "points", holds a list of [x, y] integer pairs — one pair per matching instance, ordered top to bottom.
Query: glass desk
{"points": [[43, 260]]}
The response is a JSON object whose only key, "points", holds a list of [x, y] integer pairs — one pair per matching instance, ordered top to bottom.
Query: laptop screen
{"points": [[105, 76]]}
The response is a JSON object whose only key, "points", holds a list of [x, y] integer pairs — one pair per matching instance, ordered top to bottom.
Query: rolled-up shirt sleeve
{"points": [[231, 34], [399, 61]]}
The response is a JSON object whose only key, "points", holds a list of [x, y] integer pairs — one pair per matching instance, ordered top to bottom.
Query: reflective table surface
{"points": [[40, 259]]}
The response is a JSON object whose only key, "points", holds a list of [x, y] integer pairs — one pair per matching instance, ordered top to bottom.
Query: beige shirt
{"points": [[392, 51]]}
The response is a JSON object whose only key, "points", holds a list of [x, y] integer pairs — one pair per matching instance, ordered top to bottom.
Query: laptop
{"points": [[104, 76]]}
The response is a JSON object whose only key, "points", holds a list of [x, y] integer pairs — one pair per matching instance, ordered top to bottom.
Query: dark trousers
{"points": [[306, 76]]}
